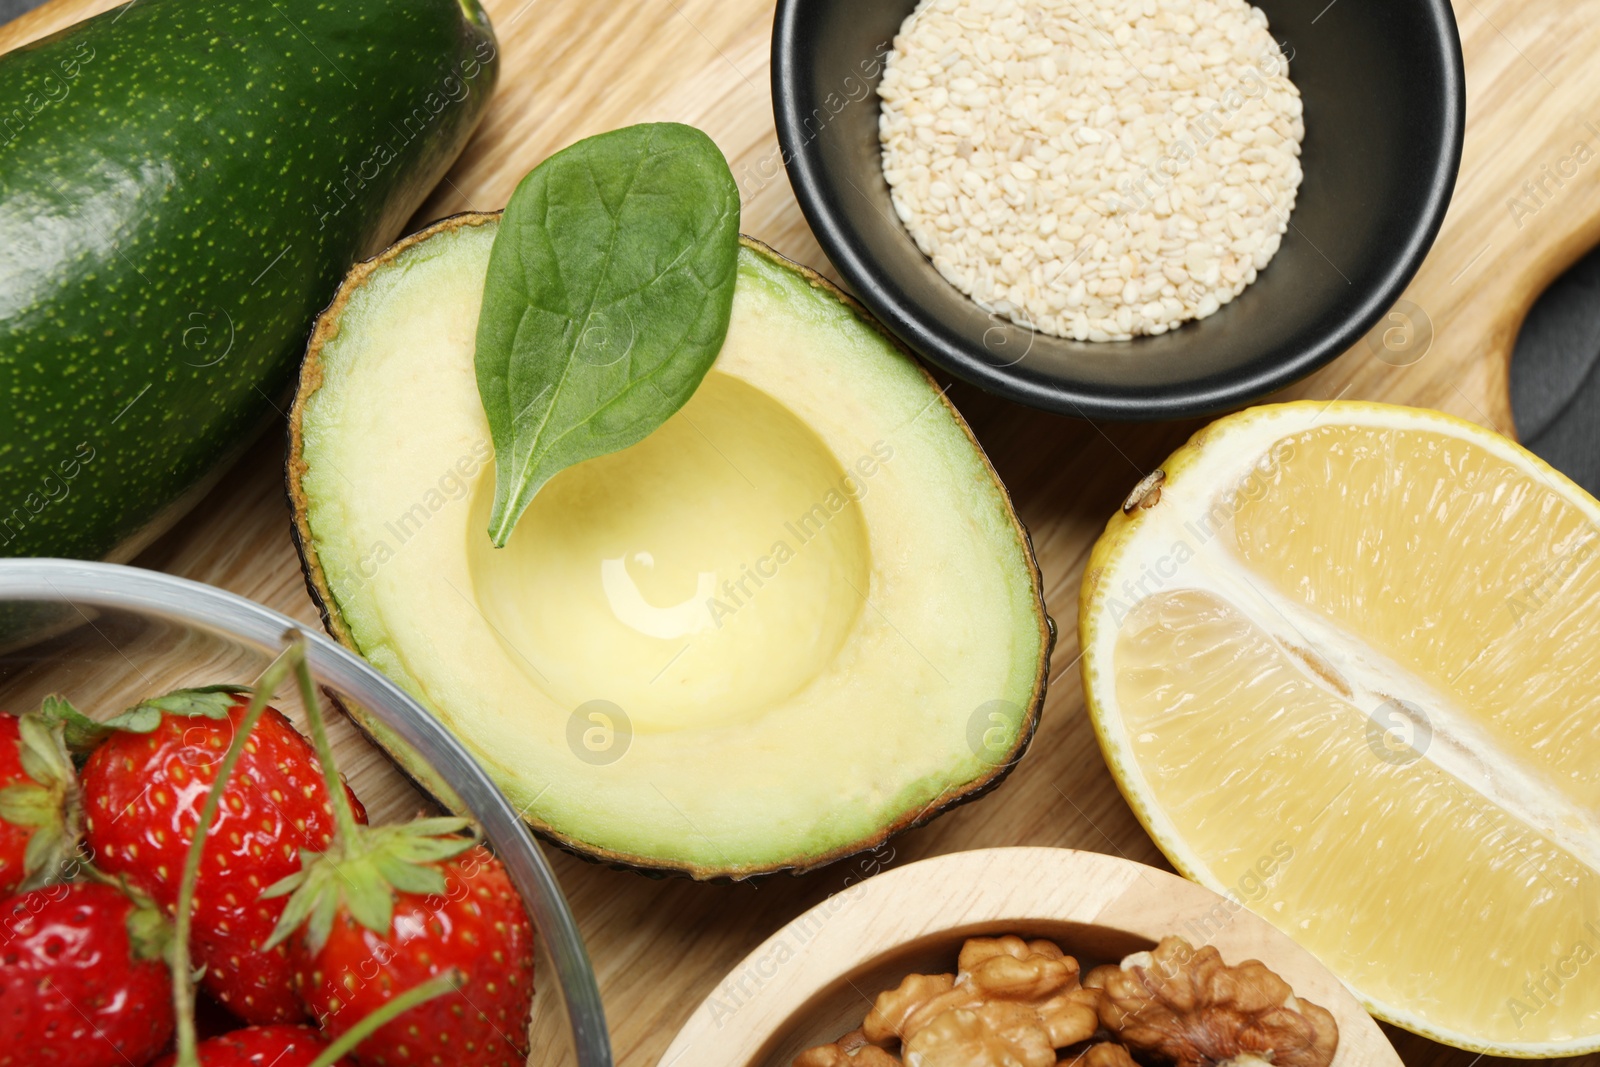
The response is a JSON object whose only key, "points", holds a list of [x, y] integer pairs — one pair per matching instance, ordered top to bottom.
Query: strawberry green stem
{"points": [[348, 829], [182, 971], [369, 1024]]}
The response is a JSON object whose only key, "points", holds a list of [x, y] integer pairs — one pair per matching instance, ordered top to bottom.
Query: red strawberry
{"points": [[143, 788], [39, 812], [385, 914], [82, 979], [261, 1046]]}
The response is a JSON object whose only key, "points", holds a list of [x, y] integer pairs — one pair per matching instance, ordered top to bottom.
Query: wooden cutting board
{"points": [[577, 67]]}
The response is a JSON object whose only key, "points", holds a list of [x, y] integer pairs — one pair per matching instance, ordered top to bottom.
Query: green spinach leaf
{"points": [[607, 299]]}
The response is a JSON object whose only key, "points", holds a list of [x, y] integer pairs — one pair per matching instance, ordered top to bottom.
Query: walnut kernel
{"points": [[1186, 1007], [851, 1050]]}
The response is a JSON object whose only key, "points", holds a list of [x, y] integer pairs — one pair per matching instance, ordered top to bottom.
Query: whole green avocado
{"points": [[183, 183]]}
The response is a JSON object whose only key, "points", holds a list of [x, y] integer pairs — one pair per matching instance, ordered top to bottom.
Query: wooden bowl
{"points": [[815, 979]]}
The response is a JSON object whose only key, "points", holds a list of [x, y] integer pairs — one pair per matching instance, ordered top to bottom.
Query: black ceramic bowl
{"points": [[1384, 96]]}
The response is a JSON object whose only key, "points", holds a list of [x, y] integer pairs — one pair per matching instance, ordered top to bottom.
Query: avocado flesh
{"points": [[802, 592]]}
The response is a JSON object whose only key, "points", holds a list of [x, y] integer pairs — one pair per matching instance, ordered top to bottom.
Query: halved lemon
{"points": [[1344, 661]]}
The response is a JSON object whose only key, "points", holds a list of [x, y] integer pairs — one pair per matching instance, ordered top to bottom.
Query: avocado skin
{"points": [[182, 187]]}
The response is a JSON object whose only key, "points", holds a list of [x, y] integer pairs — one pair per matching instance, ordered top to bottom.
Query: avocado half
{"points": [[798, 618]]}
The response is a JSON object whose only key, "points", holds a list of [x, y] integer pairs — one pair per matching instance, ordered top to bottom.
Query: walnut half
{"points": [[1013, 1003], [1183, 1006], [851, 1050], [1104, 1054]]}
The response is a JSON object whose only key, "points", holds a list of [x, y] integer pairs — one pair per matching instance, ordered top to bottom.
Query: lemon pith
{"points": [[1341, 669]]}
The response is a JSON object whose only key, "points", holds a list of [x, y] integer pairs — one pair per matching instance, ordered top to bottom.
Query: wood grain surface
{"points": [[577, 67]]}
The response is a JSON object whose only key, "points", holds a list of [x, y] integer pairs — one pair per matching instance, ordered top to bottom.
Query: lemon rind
{"points": [[1262, 426]]}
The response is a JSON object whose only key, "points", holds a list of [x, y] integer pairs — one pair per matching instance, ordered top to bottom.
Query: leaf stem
{"points": [[343, 814], [182, 972], [447, 982]]}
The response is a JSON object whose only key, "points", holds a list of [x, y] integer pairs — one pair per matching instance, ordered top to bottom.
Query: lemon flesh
{"points": [[758, 639], [1344, 669]]}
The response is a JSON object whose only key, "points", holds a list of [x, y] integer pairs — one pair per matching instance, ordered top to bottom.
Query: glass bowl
{"points": [[106, 636]]}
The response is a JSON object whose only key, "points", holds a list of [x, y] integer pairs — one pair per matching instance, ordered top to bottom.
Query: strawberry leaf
{"points": [[210, 701], [141, 719], [81, 732], [84, 734], [44, 752], [25, 805], [49, 805], [437, 828], [45, 859], [365, 866], [362, 873], [409, 877], [368, 894], [320, 924], [149, 932]]}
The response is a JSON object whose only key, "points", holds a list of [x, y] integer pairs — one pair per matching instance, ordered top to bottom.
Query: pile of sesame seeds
{"points": [[1092, 169]]}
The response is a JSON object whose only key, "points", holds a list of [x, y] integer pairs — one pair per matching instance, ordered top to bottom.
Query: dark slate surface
{"points": [[1555, 383]]}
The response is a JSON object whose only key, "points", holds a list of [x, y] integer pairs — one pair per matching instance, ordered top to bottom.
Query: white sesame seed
{"points": [[1096, 169]]}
